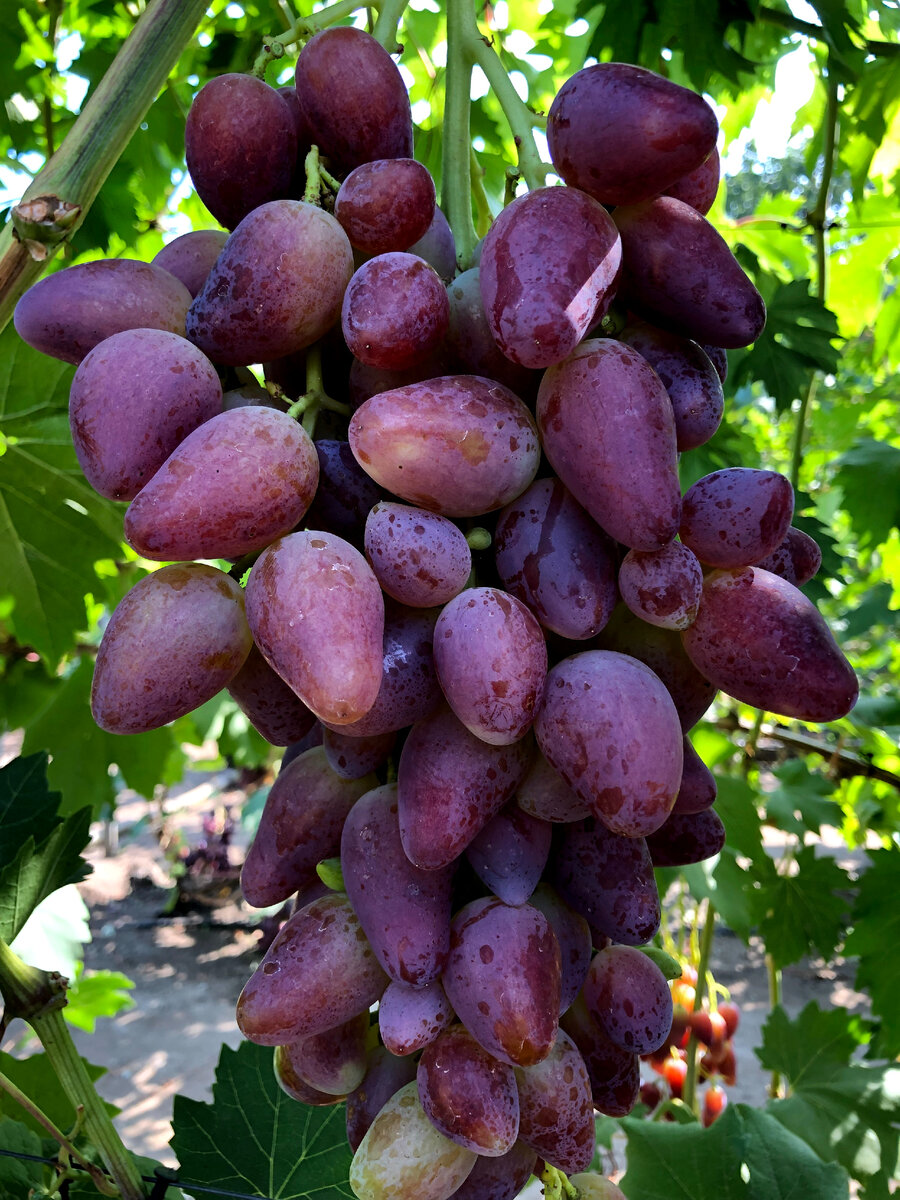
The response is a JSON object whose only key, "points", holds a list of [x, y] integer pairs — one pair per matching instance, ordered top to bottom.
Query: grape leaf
{"points": [[869, 477], [53, 525], [800, 802], [736, 803], [27, 806], [803, 909], [874, 936], [99, 994], [37, 1079], [848, 1112], [255, 1138], [744, 1155], [18, 1176]]}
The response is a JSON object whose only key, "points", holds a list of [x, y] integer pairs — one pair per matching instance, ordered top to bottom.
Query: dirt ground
{"points": [[188, 971]]}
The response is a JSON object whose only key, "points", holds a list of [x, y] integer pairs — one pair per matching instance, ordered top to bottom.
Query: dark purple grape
{"points": [[354, 98], [623, 134], [240, 144], [699, 187], [386, 205], [437, 246], [192, 256], [549, 268], [680, 273], [276, 287], [395, 312], [68, 313], [719, 359], [689, 377], [134, 399], [459, 445], [628, 479], [236, 483], [345, 494], [736, 516], [420, 558], [554, 558], [796, 559], [663, 586], [760, 640], [174, 641], [275, 712], [610, 728], [353, 757], [698, 784], [450, 785], [301, 824], [687, 838], [510, 853], [609, 880], [404, 910], [574, 936], [319, 972], [503, 979], [629, 996], [410, 1018], [614, 1073], [385, 1076], [468, 1094], [555, 1107], [498, 1178]]}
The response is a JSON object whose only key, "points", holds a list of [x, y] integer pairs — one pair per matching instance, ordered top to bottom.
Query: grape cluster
{"points": [[493, 743]]}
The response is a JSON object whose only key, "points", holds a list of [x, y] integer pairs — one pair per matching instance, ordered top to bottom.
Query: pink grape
{"points": [[386, 205], [192, 256], [395, 312], [736, 516], [419, 557], [662, 586], [272, 708], [510, 853], [629, 996], [410, 1018], [556, 1109]]}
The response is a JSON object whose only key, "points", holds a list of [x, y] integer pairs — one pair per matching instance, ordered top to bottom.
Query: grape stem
{"points": [[303, 29], [385, 31], [519, 117], [315, 397], [773, 975], [689, 1094]]}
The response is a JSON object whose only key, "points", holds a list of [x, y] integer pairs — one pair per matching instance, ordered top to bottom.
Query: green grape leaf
{"points": [[796, 341], [868, 474], [53, 525], [881, 712], [800, 802], [736, 803], [27, 806], [804, 909], [875, 933], [99, 994], [37, 1079], [848, 1112], [254, 1138], [745, 1155], [18, 1176]]}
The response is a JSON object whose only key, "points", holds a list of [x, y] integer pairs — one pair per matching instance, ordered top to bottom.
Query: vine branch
{"points": [[794, 24], [706, 940]]}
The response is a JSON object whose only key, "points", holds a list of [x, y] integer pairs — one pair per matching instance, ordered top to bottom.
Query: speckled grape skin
{"points": [[354, 98], [622, 133], [240, 146], [699, 187], [386, 205], [192, 256], [549, 267], [680, 273], [276, 287], [395, 312], [66, 314], [688, 375], [133, 399], [608, 429], [459, 445], [234, 485], [736, 516], [420, 558], [554, 558], [796, 559], [663, 586], [317, 615], [760, 640], [174, 641], [663, 652], [491, 662], [275, 712], [610, 728], [353, 757], [698, 784], [450, 785], [544, 793], [301, 824], [687, 838], [510, 853], [609, 880], [404, 910], [574, 936], [319, 972], [503, 979], [629, 996], [411, 1018], [334, 1061], [614, 1073], [386, 1074], [468, 1094], [556, 1110], [404, 1157], [499, 1178]]}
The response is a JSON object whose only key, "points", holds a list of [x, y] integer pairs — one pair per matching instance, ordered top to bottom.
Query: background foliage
{"points": [[815, 398]]}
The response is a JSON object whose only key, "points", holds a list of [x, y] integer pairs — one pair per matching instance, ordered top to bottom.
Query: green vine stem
{"points": [[304, 28], [385, 31], [519, 117], [456, 165], [62, 192], [817, 221], [773, 975], [38, 997], [689, 1094], [101, 1183]]}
